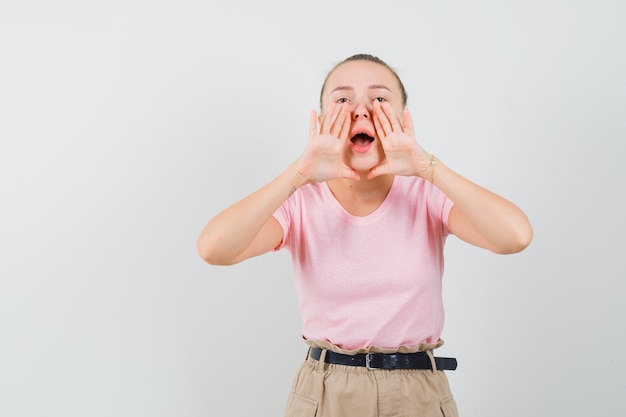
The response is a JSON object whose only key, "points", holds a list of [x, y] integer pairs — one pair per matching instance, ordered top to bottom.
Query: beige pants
{"points": [[324, 390]]}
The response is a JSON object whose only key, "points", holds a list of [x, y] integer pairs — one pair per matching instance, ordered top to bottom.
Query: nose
{"points": [[361, 111]]}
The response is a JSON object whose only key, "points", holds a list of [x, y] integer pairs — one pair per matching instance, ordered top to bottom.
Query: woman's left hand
{"points": [[403, 155]]}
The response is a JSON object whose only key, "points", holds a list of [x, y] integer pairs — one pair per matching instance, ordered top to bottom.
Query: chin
{"points": [[362, 164]]}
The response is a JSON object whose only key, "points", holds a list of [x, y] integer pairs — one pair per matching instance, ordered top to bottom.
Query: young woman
{"points": [[365, 212]]}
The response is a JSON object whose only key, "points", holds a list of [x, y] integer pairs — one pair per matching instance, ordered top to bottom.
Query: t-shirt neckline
{"points": [[379, 211]]}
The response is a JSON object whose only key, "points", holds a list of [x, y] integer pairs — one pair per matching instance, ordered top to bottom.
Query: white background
{"points": [[126, 125]]}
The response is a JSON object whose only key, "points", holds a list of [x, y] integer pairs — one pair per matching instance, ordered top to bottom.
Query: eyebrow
{"points": [[371, 87]]}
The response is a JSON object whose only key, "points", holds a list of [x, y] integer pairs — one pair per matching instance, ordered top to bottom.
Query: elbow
{"points": [[524, 236], [519, 240], [205, 252], [210, 255]]}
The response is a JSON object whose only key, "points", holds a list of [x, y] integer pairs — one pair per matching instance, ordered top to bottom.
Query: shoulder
{"points": [[418, 185], [412, 186], [310, 192], [307, 195], [422, 195]]}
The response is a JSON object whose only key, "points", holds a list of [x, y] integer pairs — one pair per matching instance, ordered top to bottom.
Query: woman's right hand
{"points": [[323, 157]]}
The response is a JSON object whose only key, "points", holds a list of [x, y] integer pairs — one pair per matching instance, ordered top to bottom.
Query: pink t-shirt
{"points": [[372, 280]]}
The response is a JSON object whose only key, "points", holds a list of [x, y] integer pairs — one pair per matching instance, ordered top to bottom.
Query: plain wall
{"points": [[126, 125]]}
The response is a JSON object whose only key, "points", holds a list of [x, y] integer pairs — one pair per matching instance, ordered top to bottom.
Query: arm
{"points": [[479, 216], [248, 228]]}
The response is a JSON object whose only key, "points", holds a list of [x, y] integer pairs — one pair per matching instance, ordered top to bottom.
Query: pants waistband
{"points": [[417, 360]]}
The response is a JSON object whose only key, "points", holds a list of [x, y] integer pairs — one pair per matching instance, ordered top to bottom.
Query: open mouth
{"points": [[362, 139]]}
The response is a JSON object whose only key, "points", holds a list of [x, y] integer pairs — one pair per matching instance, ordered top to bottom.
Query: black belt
{"points": [[417, 360]]}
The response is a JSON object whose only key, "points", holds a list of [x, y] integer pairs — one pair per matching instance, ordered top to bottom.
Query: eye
{"points": [[380, 99], [342, 100]]}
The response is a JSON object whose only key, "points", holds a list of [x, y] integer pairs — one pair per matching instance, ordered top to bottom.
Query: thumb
{"points": [[377, 171], [347, 172]]}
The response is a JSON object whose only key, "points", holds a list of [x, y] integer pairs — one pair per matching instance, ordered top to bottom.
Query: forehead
{"points": [[361, 74]]}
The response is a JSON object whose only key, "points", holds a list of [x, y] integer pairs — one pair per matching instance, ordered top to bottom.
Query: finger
{"points": [[324, 117], [329, 118], [383, 120], [408, 122], [338, 125], [396, 125], [345, 127], [379, 127], [377, 171], [349, 173]]}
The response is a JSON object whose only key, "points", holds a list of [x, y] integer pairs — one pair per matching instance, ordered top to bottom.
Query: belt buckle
{"points": [[368, 360]]}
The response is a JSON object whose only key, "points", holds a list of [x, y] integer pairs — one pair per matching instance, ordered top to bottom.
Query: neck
{"points": [[363, 186]]}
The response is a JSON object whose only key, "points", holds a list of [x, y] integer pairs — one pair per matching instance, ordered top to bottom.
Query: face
{"points": [[357, 85]]}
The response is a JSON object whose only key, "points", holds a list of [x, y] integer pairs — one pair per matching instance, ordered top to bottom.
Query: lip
{"points": [[363, 129], [362, 148]]}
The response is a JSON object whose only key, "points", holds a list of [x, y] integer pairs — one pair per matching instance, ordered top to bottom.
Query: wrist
{"points": [[432, 164], [427, 167], [299, 178]]}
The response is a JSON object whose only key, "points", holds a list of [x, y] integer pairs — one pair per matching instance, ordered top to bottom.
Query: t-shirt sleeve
{"points": [[441, 205], [445, 212], [283, 215]]}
